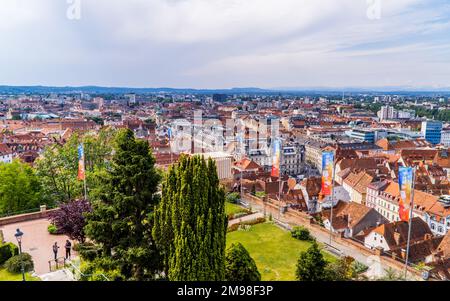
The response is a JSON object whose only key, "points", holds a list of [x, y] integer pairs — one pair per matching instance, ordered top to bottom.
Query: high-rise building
{"points": [[432, 131]]}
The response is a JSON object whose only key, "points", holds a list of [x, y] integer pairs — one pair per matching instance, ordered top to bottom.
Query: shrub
{"points": [[233, 198], [240, 214], [236, 227], [52, 229], [301, 233], [7, 251], [88, 251], [14, 264], [239, 265], [99, 267], [359, 267]]}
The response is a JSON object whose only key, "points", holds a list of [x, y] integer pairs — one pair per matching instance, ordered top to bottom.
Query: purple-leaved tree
{"points": [[70, 219]]}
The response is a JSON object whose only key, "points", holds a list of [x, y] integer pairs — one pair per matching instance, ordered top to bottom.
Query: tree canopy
{"points": [[20, 188], [122, 208], [190, 223], [239, 265]]}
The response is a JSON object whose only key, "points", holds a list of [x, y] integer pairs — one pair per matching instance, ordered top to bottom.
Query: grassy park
{"points": [[231, 209], [273, 249], [7, 276]]}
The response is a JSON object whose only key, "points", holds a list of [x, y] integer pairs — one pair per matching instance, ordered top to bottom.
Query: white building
{"points": [[445, 137], [6, 154]]}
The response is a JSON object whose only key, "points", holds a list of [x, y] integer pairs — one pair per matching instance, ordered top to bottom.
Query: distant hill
{"points": [[250, 90]]}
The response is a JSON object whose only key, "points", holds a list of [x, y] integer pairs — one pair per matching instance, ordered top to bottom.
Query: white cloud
{"points": [[218, 43]]}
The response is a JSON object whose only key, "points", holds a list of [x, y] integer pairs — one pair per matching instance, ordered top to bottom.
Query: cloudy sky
{"points": [[226, 43]]}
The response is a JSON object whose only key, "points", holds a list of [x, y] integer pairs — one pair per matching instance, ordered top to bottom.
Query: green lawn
{"points": [[233, 208], [273, 249], [7, 276]]}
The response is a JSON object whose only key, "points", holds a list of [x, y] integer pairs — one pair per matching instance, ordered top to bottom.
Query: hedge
{"points": [[7, 251]]}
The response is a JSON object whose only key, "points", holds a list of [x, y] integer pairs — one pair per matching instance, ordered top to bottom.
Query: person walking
{"points": [[68, 249], [55, 250]]}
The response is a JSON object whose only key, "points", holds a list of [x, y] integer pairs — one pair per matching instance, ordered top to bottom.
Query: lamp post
{"points": [[19, 235]]}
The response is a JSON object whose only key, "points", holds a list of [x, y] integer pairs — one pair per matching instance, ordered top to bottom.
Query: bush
{"points": [[233, 197], [236, 227], [52, 229], [301, 233], [7, 251], [88, 251], [14, 264], [239, 265], [99, 267], [359, 267]]}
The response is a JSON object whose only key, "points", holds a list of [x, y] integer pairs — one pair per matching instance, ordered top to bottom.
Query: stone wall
{"points": [[44, 213]]}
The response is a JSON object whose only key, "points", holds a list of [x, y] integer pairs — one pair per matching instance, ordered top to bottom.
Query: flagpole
{"points": [[84, 180], [279, 180], [332, 198], [411, 211]]}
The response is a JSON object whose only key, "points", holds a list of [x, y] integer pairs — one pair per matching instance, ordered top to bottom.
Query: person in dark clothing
{"points": [[68, 249], [55, 250]]}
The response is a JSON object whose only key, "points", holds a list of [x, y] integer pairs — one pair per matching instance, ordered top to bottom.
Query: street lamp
{"points": [[19, 235]]}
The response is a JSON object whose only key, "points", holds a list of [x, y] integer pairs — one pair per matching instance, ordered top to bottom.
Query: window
{"points": [[433, 226], [440, 229]]}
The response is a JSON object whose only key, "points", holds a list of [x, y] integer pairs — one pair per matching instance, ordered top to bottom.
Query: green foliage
{"points": [[442, 115], [58, 166], [20, 188], [260, 194], [233, 198], [122, 208], [190, 223], [236, 227], [52, 229], [301, 233], [7, 251], [88, 251], [14, 264], [311, 265], [239, 266], [359, 267], [100, 268], [342, 270], [392, 275]]}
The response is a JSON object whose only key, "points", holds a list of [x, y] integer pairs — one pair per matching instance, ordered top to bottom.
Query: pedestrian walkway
{"points": [[247, 218], [37, 242]]}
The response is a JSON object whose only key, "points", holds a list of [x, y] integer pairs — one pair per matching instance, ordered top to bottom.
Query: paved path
{"points": [[246, 218], [37, 242]]}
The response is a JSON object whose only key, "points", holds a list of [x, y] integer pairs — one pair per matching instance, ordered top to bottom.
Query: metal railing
{"points": [[78, 275]]}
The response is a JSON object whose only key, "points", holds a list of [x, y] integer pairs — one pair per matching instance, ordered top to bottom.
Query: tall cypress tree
{"points": [[122, 208], [190, 222]]}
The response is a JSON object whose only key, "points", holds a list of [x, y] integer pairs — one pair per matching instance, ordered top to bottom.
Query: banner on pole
{"points": [[276, 158], [81, 168], [327, 173], [405, 182]]}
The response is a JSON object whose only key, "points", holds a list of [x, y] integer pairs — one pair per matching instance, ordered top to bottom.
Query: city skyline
{"points": [[224, 44]]}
